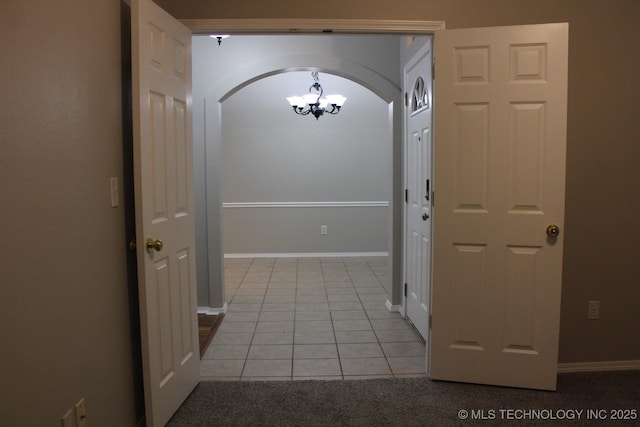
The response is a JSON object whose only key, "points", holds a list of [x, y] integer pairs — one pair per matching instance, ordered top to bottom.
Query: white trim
{"points": [[302, 26], [372, 204], [309, 255], [393, 308], [212, 310], [615, 365]]}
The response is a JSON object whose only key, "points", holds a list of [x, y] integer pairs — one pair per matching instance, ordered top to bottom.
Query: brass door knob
{"points": [[553, 230], [154, 245]]}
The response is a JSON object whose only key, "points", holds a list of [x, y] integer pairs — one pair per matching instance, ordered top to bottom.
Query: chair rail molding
{"points": [[346, 204]]}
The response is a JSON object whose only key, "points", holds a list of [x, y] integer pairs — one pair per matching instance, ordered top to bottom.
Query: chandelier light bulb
{"points": [[313, 102]]}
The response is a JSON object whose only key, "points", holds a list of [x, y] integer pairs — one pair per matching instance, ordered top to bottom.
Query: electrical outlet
{"points": [[323, 230], [594, 310], [81, 414], [69, 419]]}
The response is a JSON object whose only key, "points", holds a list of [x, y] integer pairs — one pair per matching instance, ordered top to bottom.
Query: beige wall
{"points": [[603, 172], [64, 321]]}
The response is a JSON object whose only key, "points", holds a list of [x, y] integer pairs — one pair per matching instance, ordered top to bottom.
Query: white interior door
{"points": [[161, 61], [418, 85], [500, 137]]}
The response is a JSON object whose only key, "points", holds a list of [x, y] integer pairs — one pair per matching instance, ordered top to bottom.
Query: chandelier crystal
{"points": [[313, 103]]}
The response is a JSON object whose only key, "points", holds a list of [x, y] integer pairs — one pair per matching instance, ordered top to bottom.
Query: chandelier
{"points": [[313, 103]]}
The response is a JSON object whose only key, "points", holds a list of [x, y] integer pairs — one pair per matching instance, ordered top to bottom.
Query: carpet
{"points": [[208, 324], [413, 402]]}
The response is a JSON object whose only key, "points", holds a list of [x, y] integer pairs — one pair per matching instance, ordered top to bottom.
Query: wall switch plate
{"points": [[115, 193], [323, 230], [594, 310], [81, 414], [69, 419]]}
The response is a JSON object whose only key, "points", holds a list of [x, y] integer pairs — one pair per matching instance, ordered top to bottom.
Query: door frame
{"points": [[274, 26]]}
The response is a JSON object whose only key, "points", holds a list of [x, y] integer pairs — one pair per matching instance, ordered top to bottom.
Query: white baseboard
{"points": [[309, 255], [393, 308], [213, 311], [616, 365]]}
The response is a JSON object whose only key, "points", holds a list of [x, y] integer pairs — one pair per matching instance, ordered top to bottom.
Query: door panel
{"points": [[417, 84], [499, 150], [164, 209]]}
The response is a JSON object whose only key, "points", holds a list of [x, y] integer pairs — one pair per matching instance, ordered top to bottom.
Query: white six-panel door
{"points": [[161, 61], [418, 87], [499, 171]]}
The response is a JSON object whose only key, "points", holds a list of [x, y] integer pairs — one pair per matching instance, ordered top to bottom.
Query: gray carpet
{"points": [[413, 402]]}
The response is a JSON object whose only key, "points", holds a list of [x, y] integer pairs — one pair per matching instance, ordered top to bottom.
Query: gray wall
{"points": [[220, 71], [270, 154], [601, 250], [64, 320]]}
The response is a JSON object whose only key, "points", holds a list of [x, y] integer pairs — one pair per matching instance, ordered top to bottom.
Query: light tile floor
{"points": [[310, 318]]}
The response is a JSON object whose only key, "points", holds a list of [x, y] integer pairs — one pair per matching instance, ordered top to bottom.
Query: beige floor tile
{"points": [[282, 284], [251, 291], [341, 291], [271, 292], [305, 292], [343, 298], [276, 299], [311, 299], [348, 305], [312, 306], [243, 307], [277, 307], [299, 308], [382, 313], [312, 315], [348, 315], [241, 316], [277, 316], [382, 324], [351, 325], [314, 326], [236, 327], [274, 327], [397, 335], [356, 337], [232, 338], [265, 338], [314, 338], [403, 349], [360, 350], [284, 351], [315, 351], [220, 352], [407, 365], [365, 366], [316, 367], [221, 368], [267, 368], [367, 377], [319, 378]]}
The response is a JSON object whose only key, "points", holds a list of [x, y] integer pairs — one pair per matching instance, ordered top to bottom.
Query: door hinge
{"points": [[433, 71], [406, 99], [427, 191], [406, 195], [405, 290], [430, 321]]}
